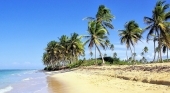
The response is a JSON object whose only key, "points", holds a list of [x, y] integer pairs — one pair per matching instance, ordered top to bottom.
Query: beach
{"points": [[152, 78]]}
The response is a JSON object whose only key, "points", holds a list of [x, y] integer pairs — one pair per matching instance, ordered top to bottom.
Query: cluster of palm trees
{"points": [[159, 28], [66, 50]]}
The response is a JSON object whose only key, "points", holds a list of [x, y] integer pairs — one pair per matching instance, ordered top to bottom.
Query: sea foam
{"points": [[7, 89]]}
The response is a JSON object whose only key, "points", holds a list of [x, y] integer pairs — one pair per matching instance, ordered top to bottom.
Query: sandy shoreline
{"points": [[104, 80]]}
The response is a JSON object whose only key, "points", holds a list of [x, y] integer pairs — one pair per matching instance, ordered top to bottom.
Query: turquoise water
{"points": [[22, 81]]}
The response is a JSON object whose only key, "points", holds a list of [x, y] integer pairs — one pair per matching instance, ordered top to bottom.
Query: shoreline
{"points": [[105, 79]]}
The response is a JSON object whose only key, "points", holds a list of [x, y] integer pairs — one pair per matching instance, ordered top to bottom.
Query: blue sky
{"points": [[26, 26]]}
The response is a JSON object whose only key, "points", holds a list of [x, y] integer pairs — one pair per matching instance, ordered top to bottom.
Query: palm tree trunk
{"points": [[160, 48], [154, 51], [100, 53], [126, 53], [131, 54], [135, 54], [167, 54], [95, 55], [158, 56]]}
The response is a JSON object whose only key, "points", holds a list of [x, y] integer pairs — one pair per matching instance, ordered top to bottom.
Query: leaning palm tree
{"points": [[158, 24], [130, 35], [97, 36]]}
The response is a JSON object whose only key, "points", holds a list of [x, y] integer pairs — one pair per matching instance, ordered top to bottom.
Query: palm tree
{"points": [[103, 17], [158, 24], [130, 35], [97, 36], [75, 46], [63, 47], [112, 47], [165, 48], [145, 50], [51, 52], [91, 54], [142, 54], [114, 55], [134, 55], [46, 59], [144, 59]]}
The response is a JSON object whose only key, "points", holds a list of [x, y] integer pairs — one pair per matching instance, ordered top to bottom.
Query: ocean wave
{"points": [[26, 79], [7, 89], [43, 89]]}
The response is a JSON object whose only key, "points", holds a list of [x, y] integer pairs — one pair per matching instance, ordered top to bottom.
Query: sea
{"points": [[23, 81]]}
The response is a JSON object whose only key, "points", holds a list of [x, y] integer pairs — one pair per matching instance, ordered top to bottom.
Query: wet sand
{"points": [[108, 79]]}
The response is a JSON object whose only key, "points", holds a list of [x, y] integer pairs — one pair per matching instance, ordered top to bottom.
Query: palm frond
{"points": [[89, 18], [148, 20], [109, 25]]}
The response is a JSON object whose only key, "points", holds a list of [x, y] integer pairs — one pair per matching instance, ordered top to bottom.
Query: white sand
{"points": [[96, 81]]}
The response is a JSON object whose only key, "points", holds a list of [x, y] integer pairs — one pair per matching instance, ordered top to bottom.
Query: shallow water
{"points": [[23, 81]]}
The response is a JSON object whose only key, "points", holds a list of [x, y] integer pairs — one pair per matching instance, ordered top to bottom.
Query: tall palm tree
{"points": [[158, 24], [130, 35], [97, 36]]}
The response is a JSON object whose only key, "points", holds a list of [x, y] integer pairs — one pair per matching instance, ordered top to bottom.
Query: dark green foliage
{"points": [[110, 59], [85, 63], [75, 64], [50, 68]]}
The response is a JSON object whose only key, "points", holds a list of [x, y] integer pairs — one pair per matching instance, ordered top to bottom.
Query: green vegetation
{"points": [[66, 52]]}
